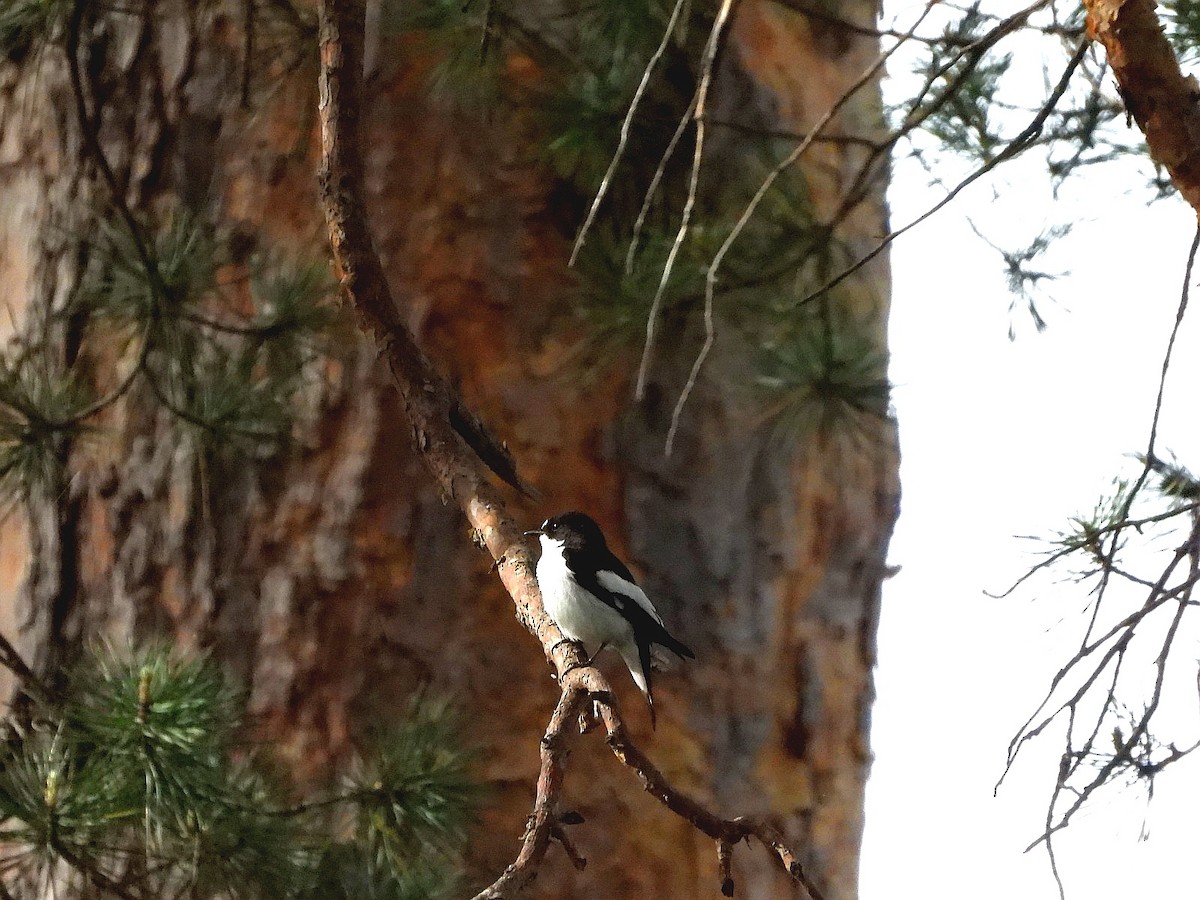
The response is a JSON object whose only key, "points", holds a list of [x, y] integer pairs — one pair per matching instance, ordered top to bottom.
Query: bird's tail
{"points": [[676, 646], [639, 668]]}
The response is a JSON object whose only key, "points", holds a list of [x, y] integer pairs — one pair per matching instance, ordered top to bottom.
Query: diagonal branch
{"points": [[1156, 93], [430, 403], [451, 437], [460, 465], [544, 819], [726, 832]]}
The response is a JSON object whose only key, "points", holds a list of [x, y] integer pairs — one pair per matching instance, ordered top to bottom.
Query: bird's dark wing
{"points": [[597, 558], [647, 629]]}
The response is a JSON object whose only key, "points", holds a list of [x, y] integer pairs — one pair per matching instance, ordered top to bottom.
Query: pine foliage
{"points": [[228, 347], [140, 781]]}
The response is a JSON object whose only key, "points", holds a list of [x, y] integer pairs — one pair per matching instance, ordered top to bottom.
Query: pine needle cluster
{"points": [[227, 346], [138, 782]]}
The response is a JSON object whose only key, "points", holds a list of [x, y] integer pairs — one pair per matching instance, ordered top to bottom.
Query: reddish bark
{"points": [[1159, 98]]}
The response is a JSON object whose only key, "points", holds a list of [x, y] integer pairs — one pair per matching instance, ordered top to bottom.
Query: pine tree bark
{"points": [[333, 579]]}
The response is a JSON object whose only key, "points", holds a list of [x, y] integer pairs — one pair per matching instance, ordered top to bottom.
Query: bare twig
{"points": [[707, 65], [957, 68], [626, 126], [89, 129], [1012, 149], [652, 189], [714, 268], [1180, 312], [15, 663], [1134, 750], [544, 819], [731, 831], [559, 833], [725, 867], [92, 872]]}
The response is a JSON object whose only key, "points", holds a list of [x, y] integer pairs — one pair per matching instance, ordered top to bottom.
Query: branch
{"points": [[1158, 96], [699, 109], [626, 127], [89, 129], [1011, 150], [714, 268], [441, 422], [461, 469], [30, 683], [1139, 755], [543, 821], [726, 832], [91, 872]]}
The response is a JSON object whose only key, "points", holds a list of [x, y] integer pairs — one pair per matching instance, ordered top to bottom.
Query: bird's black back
{"points": [[586, 553]]}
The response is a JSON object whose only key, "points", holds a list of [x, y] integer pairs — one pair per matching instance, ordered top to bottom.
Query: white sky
{"points": [[1003, 438]]}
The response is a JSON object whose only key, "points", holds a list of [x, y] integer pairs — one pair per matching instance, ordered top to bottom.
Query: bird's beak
{"points": [[535, 531]]}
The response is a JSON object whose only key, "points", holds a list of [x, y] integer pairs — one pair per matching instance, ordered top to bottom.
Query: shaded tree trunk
{"points": [[332, 579]]}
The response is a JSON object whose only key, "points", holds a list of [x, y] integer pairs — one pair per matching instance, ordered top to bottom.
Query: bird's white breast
{"points": [[579, 615]]}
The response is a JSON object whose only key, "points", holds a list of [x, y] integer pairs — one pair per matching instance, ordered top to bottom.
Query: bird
{"points": [[594, 599]]}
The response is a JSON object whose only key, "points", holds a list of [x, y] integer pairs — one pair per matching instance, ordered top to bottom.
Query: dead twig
{"points": [[707, 65], [626, 127], [714, 268], [1088, 761]]}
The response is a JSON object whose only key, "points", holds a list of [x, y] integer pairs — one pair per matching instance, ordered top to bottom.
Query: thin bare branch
{"points": [[966, 59], [707, 65], [626, 127], [89, 130], [1010, 151], [652, 189], [710, 281], [1180, 312], [30, 682], [1135, 750], [544, 819], [730, 831]]}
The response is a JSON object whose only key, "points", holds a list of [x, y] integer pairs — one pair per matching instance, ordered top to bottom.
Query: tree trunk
{"points": [[333, 579]]}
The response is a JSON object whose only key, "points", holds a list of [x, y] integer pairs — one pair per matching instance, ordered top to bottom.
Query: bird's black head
{"points": [[575, 529]]}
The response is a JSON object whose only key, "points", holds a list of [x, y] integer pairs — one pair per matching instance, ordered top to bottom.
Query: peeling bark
{"points": [[1164, 103]]}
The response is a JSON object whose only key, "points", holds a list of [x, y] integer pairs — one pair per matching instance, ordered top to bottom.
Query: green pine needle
{"points": [[24, 24], [1183, 26], [964, 93], [183, 269], [614, 304], [828, 378], [229, 402], [38, 410], [1174, 480], [1090, 534], [154, 697], [160, 727], [416, 795], [52, 807], [236, 844], [347, 872]]}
